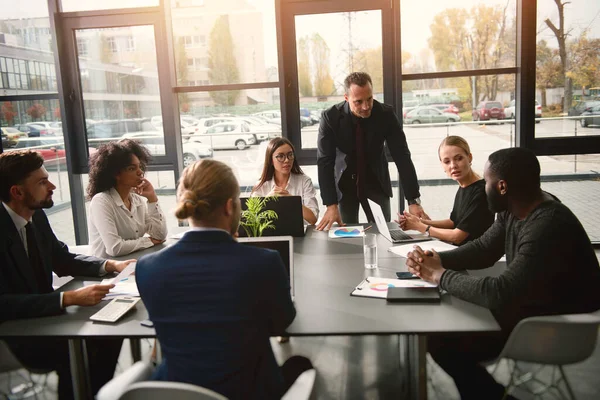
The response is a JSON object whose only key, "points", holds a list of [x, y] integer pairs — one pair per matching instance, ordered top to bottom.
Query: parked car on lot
{"points": [[582, 106], [447, 108], [487, 110], [510, 110], [429, 115], [590, 116], [205, 123], [188, 124], [47, 128], [102, 132], [228, 135], [12, 136], [155, 142], [52, 150]]}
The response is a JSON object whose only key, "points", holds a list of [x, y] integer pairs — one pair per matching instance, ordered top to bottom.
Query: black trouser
{"points": [[349, 204], [53, 354], [461, 357], [293, 368]]}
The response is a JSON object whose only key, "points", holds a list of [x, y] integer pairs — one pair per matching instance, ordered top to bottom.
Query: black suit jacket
{"points": [[336, 140], [20, 296]]}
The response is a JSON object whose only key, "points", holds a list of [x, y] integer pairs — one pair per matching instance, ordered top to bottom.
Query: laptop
{"points": [[289, 212], [393, 235], [284, 245]]}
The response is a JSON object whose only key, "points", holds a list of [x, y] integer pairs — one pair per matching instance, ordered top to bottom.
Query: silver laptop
{"points": [[393, 235], [284, 245]]}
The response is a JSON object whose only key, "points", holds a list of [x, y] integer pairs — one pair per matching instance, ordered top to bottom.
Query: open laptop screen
{"points": [[284, 245]]}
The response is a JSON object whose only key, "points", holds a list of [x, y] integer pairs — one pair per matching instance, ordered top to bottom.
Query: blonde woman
{"points": [[470, 216]]}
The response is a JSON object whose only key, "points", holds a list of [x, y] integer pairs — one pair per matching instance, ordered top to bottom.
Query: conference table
{"points": [[325, 272]]}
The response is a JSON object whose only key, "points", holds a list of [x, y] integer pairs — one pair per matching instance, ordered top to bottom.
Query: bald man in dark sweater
{"points": [[551, 268]]}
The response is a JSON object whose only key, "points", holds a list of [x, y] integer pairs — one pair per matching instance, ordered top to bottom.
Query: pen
{"points": [[367, 228]]}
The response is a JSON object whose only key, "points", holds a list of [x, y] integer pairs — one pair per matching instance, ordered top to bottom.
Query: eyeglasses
{"points": [[281, 156]]}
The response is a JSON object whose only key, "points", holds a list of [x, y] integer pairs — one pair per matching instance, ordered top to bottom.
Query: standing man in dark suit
{"points": [[351, 156], [29, 252]]}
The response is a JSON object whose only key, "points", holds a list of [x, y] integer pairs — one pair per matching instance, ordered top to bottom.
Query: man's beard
{"points": [[496, 202], [38, 205]]}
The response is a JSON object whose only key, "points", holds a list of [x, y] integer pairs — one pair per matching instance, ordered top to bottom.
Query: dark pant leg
{"points": [[383, 201], [349, 204], [53, 354], [50, 355], [103, 355], [461, 357], [293, 368]]}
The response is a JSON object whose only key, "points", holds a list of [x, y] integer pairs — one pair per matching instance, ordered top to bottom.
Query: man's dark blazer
{"points": [[336, 140], [20, 296], [214, 303]]}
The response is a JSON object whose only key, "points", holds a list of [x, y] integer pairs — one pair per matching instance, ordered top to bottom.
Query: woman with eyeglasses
{"points": [[282, 176]]}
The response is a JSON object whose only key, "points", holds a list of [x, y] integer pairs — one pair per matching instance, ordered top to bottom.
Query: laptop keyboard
{"points": [[398, 234]]}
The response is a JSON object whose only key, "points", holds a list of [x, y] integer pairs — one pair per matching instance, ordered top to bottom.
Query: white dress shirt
{"points": [[298, 185], [20, 223], [115, 230]]}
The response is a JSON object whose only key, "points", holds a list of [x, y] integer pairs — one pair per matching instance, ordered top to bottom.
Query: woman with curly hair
{"points": [[119, 217]]}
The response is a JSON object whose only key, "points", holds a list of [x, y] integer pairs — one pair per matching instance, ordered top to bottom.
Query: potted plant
{"points": [[254, 219]]}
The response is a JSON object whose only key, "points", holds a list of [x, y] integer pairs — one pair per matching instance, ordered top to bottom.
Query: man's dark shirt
{"points": [[551, 266]]}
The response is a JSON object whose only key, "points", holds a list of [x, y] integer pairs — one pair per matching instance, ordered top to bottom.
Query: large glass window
{"points": [[88, 5], [464, 35], [229, 46], [325, 58], [567, 68], [120, 89], [234, 134]]}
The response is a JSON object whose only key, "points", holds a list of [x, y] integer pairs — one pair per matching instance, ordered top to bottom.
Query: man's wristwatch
{"points": [[416, 201], [427, 233]]}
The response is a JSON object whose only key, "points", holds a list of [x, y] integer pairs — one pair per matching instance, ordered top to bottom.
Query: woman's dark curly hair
{"points": [[109, 160]]}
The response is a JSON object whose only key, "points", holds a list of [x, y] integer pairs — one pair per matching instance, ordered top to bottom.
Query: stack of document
{"points": [[432, 245], [124, 284]]}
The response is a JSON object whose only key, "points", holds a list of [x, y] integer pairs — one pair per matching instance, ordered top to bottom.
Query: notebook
{"points": [[289, 216], [394, 235], [378, 287], [413, 295]]}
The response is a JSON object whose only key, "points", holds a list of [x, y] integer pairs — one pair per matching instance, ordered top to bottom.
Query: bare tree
{"points": [[561, 36]]}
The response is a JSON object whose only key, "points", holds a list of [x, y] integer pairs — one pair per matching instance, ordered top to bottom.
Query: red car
{"points": [[447, 108], [487, 110], [53, 151]]}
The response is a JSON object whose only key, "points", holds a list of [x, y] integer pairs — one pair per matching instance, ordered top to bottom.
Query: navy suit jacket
{"points": [[337, 140], [20, 296], [215, 303]]}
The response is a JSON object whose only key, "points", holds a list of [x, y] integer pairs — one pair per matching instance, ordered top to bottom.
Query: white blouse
{"points": [[298, 185], [115, 231]]}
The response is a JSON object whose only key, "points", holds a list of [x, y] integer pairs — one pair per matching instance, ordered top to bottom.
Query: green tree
{"points": [[475, 39], [371, 62], [585, 62], [222, 64], [182, 69], [547, 69], [323, 82], [304, 83]]}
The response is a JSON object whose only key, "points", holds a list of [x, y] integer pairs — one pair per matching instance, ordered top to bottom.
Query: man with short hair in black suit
{"points": [[29, 252]]}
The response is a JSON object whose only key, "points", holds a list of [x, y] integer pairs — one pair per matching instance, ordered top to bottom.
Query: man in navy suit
{"points": [[351, 156], [29, 252], [215, 302]]}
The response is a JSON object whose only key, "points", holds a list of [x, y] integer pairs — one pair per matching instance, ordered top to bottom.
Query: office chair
{"points": [[553, 341], [9, 364], [130, 385]]}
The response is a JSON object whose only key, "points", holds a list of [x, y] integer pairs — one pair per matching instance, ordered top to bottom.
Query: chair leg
{"points": [[564, 377]]}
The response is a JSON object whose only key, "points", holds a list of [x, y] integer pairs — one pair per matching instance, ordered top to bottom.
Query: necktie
{"points": [[361, 163], [36, 261]]}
